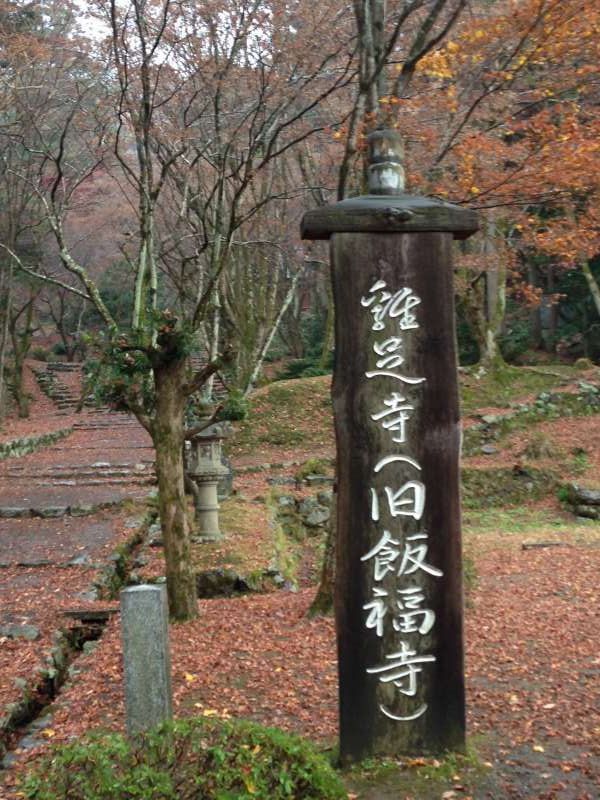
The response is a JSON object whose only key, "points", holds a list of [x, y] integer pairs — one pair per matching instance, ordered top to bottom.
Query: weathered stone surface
{"points": [[28, 444], [488, 449], [281, 480], [317, 480], [225, 486], [580, 495], [325, 498], [286, 501], [307, 505], [83, 511], [13, 512], [50, 512], [589, 512], [317, 517], [133, 522], [156, 541], [80, 561], [220, 583], [90, 594], [14, 631], [146, 657], [41, 723], [9, 760]]}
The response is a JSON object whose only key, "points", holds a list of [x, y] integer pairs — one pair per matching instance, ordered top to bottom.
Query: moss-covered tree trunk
{"points": [[592, 284], [21, 342], [19, 392], [167, 435], [323, 601]]}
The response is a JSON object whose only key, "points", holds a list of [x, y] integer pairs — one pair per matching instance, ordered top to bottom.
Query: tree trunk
{"points": [[592, 285], [495, 299], [485, 304], [5, 306], [535, 317], [329, 333], [21, 342], [214, 343], [263, 347], [19, 393], [167, 435], [323, 601]]}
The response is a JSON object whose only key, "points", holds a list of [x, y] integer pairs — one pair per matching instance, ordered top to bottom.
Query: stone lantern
{"points": [[205, 469]]}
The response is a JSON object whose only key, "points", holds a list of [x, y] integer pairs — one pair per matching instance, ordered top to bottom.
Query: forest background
{"points": [[157, 157]]}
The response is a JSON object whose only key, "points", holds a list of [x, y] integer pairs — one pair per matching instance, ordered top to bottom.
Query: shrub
{"points": [[516, 340], [38, 354], [309, 367], [236, 406], [314, 466], [204, 759]]}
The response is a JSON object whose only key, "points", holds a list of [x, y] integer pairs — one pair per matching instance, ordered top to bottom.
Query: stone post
{"points": [[398, 595], [146, 657]]}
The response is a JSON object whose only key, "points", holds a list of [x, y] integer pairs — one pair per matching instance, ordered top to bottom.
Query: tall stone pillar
{"points": [[398, 596], [146, 657]]}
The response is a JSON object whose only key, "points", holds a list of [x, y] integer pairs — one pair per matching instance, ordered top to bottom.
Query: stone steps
{"points": [[63, 366], [95, 426], [61, 469], [78, 475], [147, 480], [55, 512]]}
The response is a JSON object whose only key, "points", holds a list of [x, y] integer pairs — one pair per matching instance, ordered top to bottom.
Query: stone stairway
{"points": [[198, 360], [66, 393], [99, 473]]}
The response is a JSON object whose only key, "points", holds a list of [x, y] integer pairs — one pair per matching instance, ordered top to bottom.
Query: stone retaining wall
{"points": [[27, 444]]}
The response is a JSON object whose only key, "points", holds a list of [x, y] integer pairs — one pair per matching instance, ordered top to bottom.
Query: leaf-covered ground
{"points": [[532, 626]]}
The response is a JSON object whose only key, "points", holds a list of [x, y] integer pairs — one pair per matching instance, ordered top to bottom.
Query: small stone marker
{"points": [[398, 589], [146, 657]]}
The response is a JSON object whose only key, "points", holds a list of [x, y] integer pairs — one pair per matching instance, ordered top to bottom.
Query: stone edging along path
{"points": [[28, 444], [53, 512], [20, 718]]}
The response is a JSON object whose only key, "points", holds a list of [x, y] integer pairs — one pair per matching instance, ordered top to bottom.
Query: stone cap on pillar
{"points": [[387, 208]]}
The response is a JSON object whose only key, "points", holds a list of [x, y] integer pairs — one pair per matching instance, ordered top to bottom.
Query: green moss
{"points": [[501, 387], [546, 406], [285, 415], [314, 466], [482, 488], [527, 521], [202, 758], [422, 778]]}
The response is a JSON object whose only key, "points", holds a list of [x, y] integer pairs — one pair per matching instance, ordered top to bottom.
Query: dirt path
{"points": [[60, 521], [532, 633]]}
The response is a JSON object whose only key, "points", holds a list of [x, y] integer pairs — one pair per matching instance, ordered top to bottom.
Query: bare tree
{"points": [[208, 100]]}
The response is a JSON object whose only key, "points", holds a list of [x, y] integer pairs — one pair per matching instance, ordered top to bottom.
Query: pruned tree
{"points": [[208, 99], [22, 324]]}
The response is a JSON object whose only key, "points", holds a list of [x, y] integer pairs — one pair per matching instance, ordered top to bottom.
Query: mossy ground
{"points": [[498, 388], [284, 415], [248, 542], [450, 776]]}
